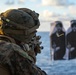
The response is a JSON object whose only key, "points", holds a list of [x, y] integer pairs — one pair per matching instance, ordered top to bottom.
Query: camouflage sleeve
{"points": [[7, 48], [12, 56], [17, 61]]}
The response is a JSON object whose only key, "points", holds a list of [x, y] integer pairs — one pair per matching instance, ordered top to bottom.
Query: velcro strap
{"points": [[13, 23], [19, 27], [13, 31], [7, 37]]}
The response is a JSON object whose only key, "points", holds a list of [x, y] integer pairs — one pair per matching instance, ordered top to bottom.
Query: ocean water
{"points": [[58, 67]]}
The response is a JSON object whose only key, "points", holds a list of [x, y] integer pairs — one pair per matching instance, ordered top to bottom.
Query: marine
{"points": [[57, 39], [71, 40], [19, 43]]}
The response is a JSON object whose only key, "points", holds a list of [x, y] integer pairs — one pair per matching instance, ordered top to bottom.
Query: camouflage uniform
{"points": [[16, 55]]}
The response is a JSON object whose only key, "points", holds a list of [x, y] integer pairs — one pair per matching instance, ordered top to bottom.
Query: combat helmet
{"points": [[32, 13], [58, 23], [73, 23], [18, 24]]}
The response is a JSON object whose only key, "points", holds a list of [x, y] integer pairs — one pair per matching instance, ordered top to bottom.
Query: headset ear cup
{"points": [[1, 24]]}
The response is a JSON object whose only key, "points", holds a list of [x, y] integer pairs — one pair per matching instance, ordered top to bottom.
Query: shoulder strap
{"points": [[6, 38]]}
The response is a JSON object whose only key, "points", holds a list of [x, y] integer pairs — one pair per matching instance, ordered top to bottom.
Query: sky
{"points": [[49, 10]]}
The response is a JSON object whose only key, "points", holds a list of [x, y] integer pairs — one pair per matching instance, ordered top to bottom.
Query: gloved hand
{"points": [[57, 48], [72, 48]]}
